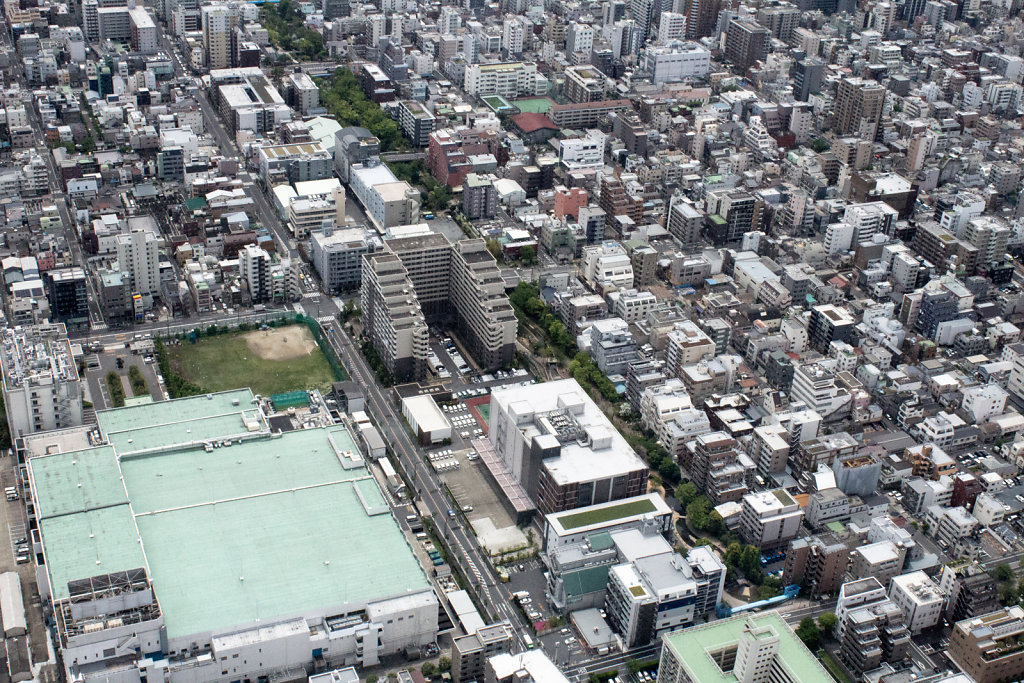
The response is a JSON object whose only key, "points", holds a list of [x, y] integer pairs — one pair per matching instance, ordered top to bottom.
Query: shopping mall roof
{"points": [[267, 527]]}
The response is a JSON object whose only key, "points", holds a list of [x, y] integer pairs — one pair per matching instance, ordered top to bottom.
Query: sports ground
{"points": [[271, 361]]}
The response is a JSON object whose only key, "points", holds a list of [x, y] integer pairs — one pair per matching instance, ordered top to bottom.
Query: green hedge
{"points": [[115, 388]]}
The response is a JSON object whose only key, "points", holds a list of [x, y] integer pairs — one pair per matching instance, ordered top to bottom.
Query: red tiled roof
{"points": [[529, 122]]}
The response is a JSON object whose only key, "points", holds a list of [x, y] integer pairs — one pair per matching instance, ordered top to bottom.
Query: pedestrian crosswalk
{"points": [[325, 319], [475, 570]]}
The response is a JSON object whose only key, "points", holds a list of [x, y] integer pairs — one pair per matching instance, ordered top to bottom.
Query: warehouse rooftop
{"points": [[285, 525]]}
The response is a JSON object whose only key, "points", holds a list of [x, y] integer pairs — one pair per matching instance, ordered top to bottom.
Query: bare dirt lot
{"points": [[283, 343]]}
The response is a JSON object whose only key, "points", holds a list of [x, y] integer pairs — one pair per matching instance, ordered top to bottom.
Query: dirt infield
{"points": [[282, 343]]}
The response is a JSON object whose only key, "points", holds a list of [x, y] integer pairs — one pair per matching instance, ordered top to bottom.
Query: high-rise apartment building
{"points": [[701, 17], [217, 24], [746, 43], [807, 74], [858, 108], [479, 197], [615, 201], [731, 214], [685, 221], [138, 256], [337, 256], [460, 282], [483, 314], [392, 317], [829, 323], [818, 563], [753, 648]]}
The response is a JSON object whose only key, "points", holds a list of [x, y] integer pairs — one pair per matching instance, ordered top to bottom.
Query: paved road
{"points": [[59, 199], [431, 500], [611, 662]]}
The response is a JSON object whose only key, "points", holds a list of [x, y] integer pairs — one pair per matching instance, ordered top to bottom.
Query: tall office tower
{"points": [[612, 11], [645, 14], [701, 17], [91, 19], [216, 20], [746, 43], [807, 74], [858, 108]]}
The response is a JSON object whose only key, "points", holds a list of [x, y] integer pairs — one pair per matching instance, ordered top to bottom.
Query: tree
{"points": [[819, 145], [494, 246], [528, 255], [686, 493], [697, 513], [716, 525], [750, 561], [1003, 572], [771, 587], [827, 623], [808, 632], [444, 664], [428, 669]]}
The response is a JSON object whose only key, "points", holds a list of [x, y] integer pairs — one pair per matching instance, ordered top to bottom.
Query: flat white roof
{"points": [[374, 175], [306, 188], [426, 414], [605, 454], [535, 662]]}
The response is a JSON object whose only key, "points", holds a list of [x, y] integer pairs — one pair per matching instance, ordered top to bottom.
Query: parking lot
{"points": [[98, 364], [464, 423], [472, 489]]}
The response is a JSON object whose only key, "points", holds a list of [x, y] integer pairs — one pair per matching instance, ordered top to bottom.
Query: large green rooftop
{"points": [[599, 515], [266, 527], [695, 648]]}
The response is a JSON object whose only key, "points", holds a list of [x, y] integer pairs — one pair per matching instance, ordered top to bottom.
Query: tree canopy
{"points": [[343, 98]]}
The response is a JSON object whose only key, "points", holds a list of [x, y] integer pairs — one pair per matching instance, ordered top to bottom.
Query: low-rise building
{"points": [[337, 256], [770, 519], [919, 598], [987, 647]]}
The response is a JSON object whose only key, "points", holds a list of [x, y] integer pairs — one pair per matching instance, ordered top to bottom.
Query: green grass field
{"points": [[226, 362]]}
